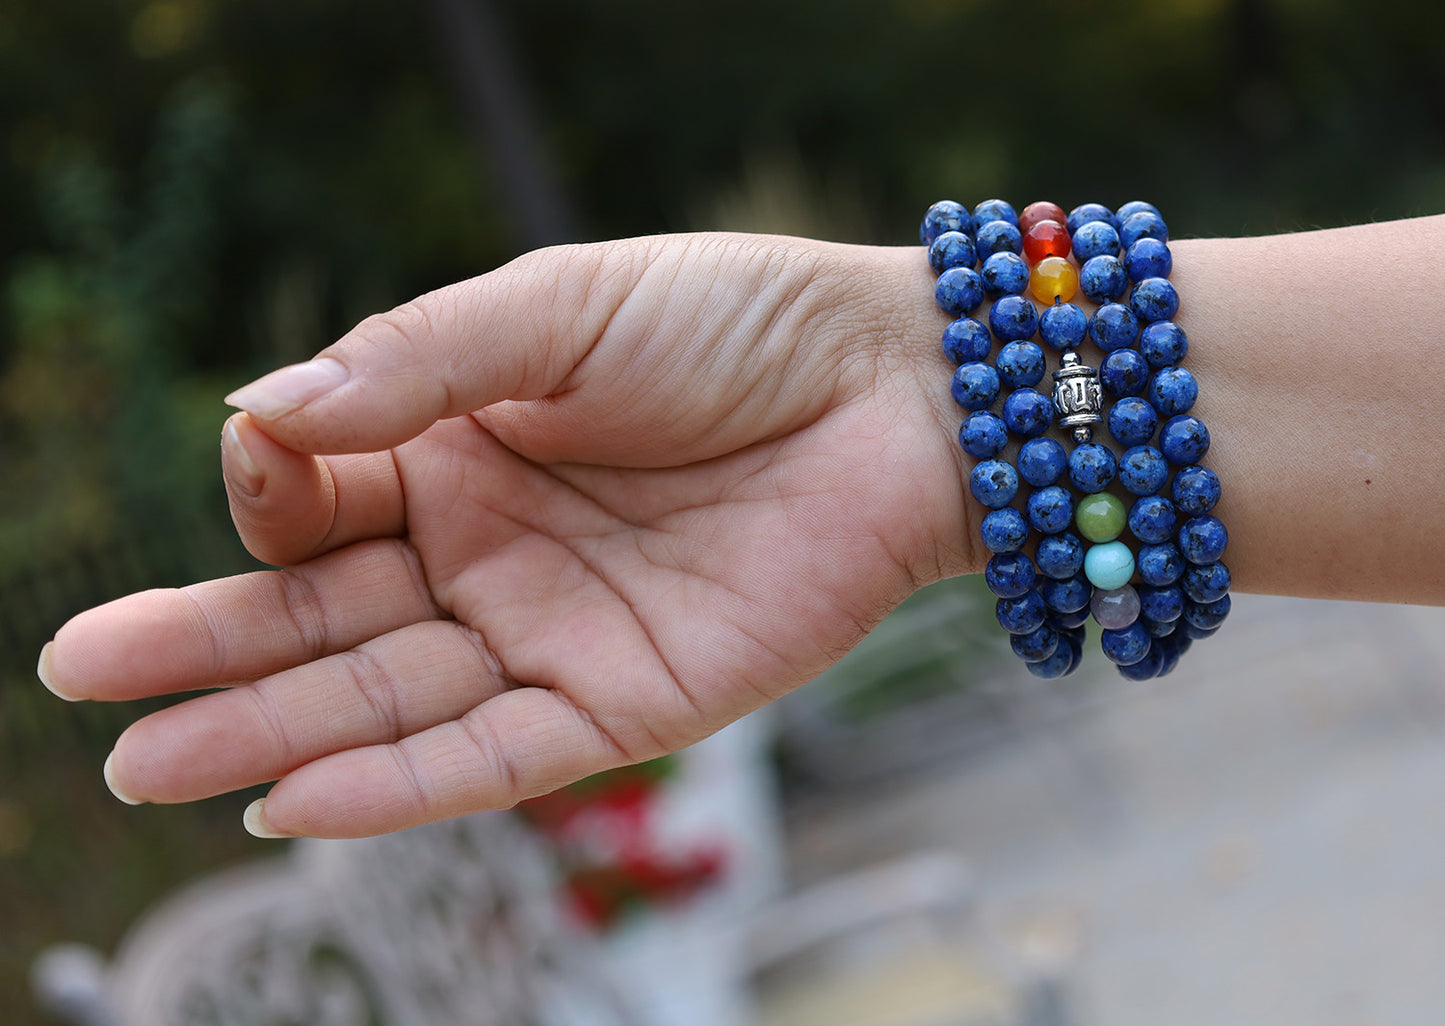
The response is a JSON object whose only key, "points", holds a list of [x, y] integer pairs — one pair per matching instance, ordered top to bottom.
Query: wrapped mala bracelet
{"points": [[1041, 473]]}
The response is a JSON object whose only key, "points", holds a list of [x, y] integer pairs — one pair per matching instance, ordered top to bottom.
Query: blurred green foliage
{"points": [[197, 190]]}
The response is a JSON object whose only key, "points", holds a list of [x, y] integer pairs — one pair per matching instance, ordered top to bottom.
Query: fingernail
{"points": [[290, 388], [241, 467], [42, 670], [106, 772], [255, 821]]}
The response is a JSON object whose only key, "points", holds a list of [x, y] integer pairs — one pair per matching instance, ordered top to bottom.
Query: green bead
{"points": [[1100, 517], [1109, 566]]}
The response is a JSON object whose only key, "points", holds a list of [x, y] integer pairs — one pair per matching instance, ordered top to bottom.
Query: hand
{"points": [[576, 513]]}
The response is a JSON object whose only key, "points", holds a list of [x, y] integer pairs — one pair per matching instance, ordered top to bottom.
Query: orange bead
{"points": [[1041, 211], [1046, 239], [1053, 279]]}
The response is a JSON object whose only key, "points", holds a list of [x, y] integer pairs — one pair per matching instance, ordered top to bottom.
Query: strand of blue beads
{"points": [[976, 256], [1120, 261], [1182, 594]]}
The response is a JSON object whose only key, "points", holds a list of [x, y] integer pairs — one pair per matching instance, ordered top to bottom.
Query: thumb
{"points": [[515, 333]]}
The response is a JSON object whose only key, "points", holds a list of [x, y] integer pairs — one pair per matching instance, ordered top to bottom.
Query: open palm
{"points": [[576, 513]]}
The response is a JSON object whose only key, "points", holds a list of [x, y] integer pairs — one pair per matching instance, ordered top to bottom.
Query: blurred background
{"points": [[195, 191]]}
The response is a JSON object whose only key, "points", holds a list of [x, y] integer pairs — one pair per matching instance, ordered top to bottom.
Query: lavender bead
{"points": [[1115, 609]]}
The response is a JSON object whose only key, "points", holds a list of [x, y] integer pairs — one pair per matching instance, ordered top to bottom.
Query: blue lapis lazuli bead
{"points": [[1133, 207], [994, 210], [1086, 212], [944, 216], [1143, 225], [997, 237], [1095, 238], [951, 249], [1148, 258], [1004, 274], [1103, 279], [959, 291], [1154, 299], [1013, 318], [1063, 326], [1113, 326], [967, 340], [1163, 344], [1020, 364], [1124, 372], [975, 386], [1172, 391], [1028, 413], [1132, 421], [983, 435], [1183, 440], [1042, 461], [1092, 467], [1143, 470], [994, 483], [1195, 490], [1050, 510], [1152, 519], [1004, 530], [1203, 539], [1059, 556], [1108, 565], [1160, 565], [1009, 574], [1207, 583], [1067, 596], [1161, 605], [1021, 615], [1207, 615], [1070, 621], [1158, 628], [1194, 632], [1127, 645], [1035, 646], [1173, 647], [1056, 666], [1148, 668]]}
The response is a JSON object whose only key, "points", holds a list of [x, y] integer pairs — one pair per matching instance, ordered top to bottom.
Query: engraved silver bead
{"points": [[1078, 399]]}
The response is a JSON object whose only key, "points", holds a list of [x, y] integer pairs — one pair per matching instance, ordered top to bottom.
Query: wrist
{"points": [[903, 325]]}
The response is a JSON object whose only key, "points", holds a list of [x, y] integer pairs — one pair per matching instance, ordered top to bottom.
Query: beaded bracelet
{"points": [[1044, 599]]}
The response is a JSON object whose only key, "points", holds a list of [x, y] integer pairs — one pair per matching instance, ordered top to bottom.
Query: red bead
{"points": [[1041, 211], [1046, 239]]}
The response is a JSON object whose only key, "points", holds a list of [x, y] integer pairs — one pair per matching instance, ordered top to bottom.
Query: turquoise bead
{"points": [[1109, 565]]}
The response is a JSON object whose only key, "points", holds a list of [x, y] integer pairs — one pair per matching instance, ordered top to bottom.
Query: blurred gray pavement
{"points": [[1258, 839]]}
